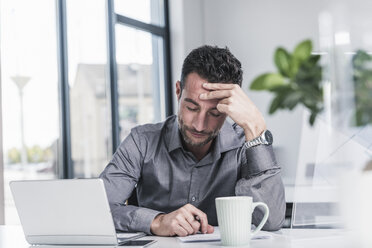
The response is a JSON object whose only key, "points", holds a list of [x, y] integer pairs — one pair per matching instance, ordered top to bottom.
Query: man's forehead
{"points": [[194, 83], [193, 89]]}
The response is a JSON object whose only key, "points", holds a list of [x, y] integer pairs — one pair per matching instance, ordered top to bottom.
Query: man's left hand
{"points": [[236, 104]]}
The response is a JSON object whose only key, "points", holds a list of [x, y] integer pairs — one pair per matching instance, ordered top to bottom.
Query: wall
{"points": [[252, 30], [186, 33], [2, 214]]}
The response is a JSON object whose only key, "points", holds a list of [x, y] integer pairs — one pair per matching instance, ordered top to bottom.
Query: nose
{"points": [[200, 122]]}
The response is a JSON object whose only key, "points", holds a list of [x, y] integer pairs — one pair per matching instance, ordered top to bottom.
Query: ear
{"points": [[178, 90]]}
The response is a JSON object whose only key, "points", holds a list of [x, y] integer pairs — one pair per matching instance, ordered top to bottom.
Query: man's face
{"points": [[199, 120]]}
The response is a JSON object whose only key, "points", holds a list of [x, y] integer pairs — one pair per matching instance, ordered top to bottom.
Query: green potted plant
{"points": [[362, 77], [297, 80]]}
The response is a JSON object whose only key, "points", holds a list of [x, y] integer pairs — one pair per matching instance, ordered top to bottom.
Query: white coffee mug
{"points": [[234, 215]]}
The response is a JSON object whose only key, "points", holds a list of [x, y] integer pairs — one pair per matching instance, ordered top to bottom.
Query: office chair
{"points": [[132, 200]]}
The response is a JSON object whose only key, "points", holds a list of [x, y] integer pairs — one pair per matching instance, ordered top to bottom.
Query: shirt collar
{"points": [[175, 139], [226, 140]]}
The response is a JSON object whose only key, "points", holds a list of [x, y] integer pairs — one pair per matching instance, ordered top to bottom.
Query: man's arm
{"points": [[260, 173], [120, 177], [260, 178]]}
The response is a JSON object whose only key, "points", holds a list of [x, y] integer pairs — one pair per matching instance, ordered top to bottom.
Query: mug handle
{"points": [[264, 219]]}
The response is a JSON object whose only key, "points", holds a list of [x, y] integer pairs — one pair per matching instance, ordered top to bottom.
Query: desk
{"points": [[12, 237]]}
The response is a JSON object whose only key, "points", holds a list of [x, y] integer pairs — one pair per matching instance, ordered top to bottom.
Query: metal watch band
{"points": [[260, 140], [252, 143]]}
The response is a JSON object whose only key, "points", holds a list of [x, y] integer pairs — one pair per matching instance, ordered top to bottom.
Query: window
{"points": [[147, 11], [139, 40], [74, 76], [29, 81], [140, 84], [88, 87]]}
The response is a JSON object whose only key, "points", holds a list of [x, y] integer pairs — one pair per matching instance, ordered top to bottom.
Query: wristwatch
{"points": [[266, 138]]}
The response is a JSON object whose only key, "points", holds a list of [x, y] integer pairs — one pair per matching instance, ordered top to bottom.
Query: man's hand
{"points": [[236, 104], [181, 222]]}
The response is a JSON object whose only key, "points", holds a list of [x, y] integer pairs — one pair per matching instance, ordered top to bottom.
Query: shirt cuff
{"points": [[258, 159], [143, 219]]}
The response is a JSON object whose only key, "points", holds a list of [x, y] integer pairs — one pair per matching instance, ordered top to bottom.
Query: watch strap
{"points": [[260, 140]]}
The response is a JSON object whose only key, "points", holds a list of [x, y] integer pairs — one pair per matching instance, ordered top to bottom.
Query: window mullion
{"points": [[112, 74], [65, 161]]}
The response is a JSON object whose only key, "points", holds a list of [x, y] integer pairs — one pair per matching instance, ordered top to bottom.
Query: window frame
{"points": [[163, 32], [65, 169]]}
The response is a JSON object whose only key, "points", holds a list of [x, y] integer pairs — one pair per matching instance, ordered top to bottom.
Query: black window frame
{"points": [[163, 32], [65, 169]]}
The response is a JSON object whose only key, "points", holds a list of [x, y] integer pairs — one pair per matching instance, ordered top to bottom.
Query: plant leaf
{"points": [[303, 50], [313, 59], [282, 60], [294, 66], [267, 81], [282, 89], [292, 99], [276, 103], [312, 118]]}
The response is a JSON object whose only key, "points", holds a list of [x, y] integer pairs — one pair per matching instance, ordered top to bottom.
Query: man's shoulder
{"points": [[151, 129]]}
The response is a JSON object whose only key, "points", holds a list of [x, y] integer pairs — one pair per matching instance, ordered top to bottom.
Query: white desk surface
{"points": [[12, 237]]}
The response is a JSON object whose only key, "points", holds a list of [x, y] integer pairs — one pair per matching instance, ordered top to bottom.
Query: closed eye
{"points": [[192, 109], [214, 114]]}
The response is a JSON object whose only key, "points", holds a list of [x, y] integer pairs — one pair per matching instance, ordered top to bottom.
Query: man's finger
{"points": [[217, 86], [217, 94], [226, 101], [223, 108], [201, 215], [190, 218], [195, 224], [187, 226], [210, 229], [180, 231]]}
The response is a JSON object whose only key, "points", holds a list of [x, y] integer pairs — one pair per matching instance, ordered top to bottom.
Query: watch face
{"points": [[268, 137]]}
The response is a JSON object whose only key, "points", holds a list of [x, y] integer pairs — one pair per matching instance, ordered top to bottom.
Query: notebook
{"points": [[216, 236]]}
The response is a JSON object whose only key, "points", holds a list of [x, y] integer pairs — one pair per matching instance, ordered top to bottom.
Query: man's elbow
{"points": [[276, 218], [274, 224]]}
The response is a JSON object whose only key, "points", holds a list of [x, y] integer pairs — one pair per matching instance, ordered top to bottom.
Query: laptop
{"points": [[66, 212]]}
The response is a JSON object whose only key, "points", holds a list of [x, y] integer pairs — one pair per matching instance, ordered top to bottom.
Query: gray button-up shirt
{"points": [[153, 160]]}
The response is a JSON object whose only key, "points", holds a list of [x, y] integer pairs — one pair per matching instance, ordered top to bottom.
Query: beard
{"points": [[188, 140]]}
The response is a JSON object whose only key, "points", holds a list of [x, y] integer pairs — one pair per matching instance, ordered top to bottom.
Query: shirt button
{"points": [[193, 198]]}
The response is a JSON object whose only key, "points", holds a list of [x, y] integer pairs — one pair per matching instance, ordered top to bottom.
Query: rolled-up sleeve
{"points": [[120, 178], [260, 178]]}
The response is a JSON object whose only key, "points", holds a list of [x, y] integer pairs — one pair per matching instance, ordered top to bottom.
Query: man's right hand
{"points": [[181, 222]]}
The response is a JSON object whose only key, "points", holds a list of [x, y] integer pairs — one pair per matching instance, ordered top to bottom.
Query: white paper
{"points": [[217, 237]]}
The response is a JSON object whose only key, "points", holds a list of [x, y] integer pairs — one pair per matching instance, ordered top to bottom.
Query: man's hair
{"points": [[214, 64]]}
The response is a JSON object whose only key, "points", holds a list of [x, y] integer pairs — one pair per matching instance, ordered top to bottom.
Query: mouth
{"points": [[197, 135]]}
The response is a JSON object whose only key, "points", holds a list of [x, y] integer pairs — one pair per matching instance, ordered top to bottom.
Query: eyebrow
{"points": [[192, 101], [195, 103]]}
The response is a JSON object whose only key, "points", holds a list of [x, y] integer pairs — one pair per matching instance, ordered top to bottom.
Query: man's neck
{"points": [[199, 152]]}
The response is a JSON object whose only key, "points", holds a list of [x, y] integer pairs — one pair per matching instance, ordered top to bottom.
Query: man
{"points": [[180, 166]]}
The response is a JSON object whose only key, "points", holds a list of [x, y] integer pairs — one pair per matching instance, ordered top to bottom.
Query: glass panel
{"points": [[148, 11], [140, 78], [29, 93], [89, 99], [336, 153]]}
